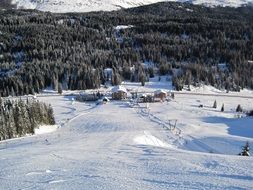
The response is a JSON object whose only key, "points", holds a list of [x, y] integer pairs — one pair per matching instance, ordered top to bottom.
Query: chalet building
{"points": [[119, 93], [160, 95], [146, 98]]}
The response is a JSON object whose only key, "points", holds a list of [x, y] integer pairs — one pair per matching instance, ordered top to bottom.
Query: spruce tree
{"points": [[59, 88], [215, 104], [222, 108], [239, 108], [50, 114], [19, 117], [245, 150]]}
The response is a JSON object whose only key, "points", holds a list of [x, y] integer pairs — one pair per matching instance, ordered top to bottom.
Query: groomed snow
{"points": [[114, 146]]}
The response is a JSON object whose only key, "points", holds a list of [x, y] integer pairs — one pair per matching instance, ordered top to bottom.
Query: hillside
{"points": [[108, 5], [194, 44], [152, 97]]}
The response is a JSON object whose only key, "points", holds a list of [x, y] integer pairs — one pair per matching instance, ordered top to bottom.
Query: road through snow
{"points": [[112, 147]]}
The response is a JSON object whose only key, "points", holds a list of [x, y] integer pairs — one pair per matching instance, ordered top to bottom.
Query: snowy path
{"points": [[112, 147]]}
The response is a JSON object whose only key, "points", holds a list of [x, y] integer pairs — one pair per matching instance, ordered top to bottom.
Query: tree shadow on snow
{"points": [[236, 126], [231, 176]]}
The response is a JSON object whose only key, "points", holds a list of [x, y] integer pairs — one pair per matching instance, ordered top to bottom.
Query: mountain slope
{"points": [[107, 5]]}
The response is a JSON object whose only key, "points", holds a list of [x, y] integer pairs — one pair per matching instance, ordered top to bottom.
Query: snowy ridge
{"points": [[61, 6]]}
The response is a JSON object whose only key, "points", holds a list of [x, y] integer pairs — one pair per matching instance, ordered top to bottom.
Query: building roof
{"points": [[119, 89], [160, 92], [106, 99]]}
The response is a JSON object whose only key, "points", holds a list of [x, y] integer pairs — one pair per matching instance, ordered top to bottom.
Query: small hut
{"points": [[119, 93], [160, 95]]}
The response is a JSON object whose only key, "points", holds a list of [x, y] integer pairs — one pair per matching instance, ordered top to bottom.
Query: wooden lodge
{"points": [[119, 93], [160, 95], [146, 98]]}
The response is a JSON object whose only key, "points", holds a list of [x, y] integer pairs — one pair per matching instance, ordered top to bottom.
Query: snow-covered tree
{"points": [[59, 88], [239, 108], [19, 117], [245, 150]]}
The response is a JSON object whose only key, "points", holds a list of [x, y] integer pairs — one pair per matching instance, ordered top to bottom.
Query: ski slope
{"points": [[62, 6], [115, 146]]}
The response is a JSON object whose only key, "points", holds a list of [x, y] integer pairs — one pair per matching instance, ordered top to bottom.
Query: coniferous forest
{"points": [[195, 44], [21, 117]]}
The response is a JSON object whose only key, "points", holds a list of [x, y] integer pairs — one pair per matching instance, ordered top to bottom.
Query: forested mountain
{"points": [[193, 43]]}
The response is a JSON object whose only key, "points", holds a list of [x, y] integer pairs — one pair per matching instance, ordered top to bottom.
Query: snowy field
{"points": [[115, 146]]}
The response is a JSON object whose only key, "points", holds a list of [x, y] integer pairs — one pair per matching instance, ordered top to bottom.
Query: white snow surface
{"points": [[61, 6], [119, 89], [45, 129], [114, 146]]}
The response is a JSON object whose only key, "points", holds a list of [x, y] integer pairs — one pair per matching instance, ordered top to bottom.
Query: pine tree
{"points": [[142, 80], [59, 88], [173, 95], [215, 104], [222, 108], [239, 108], [50, 113], [19, 117], [10, 125], [2, 127], [28, 128], [245, 150]]}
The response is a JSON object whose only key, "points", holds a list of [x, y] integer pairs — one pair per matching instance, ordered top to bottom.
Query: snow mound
{"points": [[46, 129], [148, 139]]}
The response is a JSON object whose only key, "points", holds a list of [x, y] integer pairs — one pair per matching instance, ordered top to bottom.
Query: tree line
{"points": [[21, 117]]}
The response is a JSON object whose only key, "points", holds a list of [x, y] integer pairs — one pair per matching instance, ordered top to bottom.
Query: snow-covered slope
{"points": [[107, 5], [114, 146]]}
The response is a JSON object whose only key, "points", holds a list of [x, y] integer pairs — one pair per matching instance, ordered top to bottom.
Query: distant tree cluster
{"points": [[194, 44], [19, 117]]}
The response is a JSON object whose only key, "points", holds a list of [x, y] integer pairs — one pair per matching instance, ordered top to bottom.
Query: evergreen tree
{"points": [[142, 80], [59, 88], [173, 95], [215, 104], [222, 108], [239, 108], [50, 113], [19, 117], [245, 150]]}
